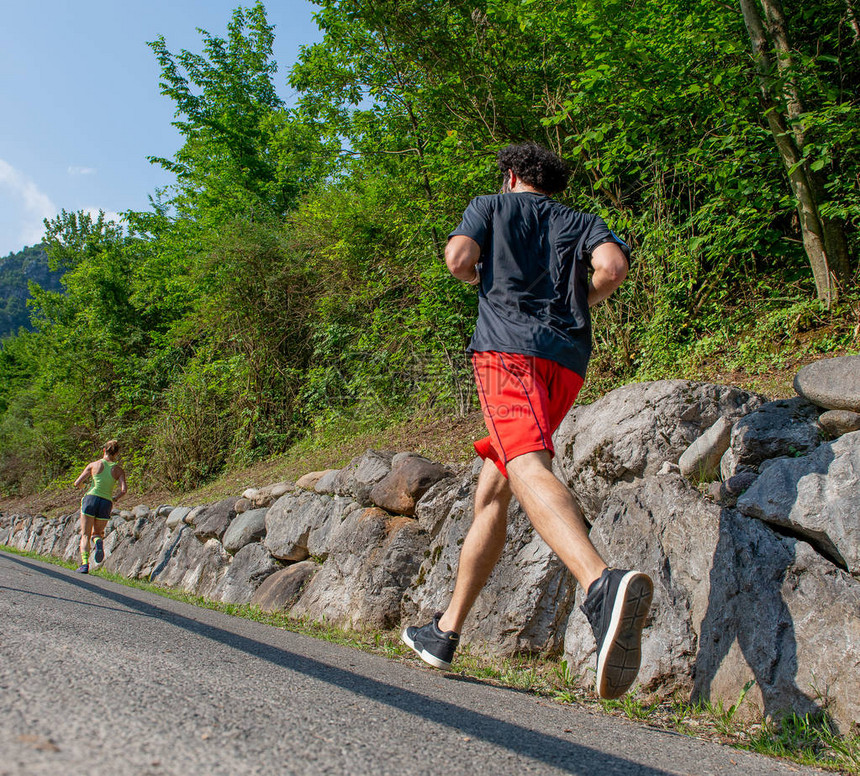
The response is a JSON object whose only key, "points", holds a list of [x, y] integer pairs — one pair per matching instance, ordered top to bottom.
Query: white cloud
{"points": [[74, 170], [33, 204]]}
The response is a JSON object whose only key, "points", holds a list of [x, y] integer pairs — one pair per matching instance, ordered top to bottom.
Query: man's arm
{"points": [[462, 255], [610, 269]]}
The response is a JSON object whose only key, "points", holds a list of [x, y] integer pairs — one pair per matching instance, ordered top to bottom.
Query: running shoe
{"points": [[100, 551], [84, 568], [617, 606], [433, 646]]}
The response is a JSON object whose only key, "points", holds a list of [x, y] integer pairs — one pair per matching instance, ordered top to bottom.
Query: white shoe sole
{"points": [[618, 663]]}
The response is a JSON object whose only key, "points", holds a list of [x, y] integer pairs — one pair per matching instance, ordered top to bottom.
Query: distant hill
{"points": [[16, 270]]}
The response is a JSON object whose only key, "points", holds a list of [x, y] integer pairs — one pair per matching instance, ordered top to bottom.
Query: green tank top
{"points": [[103, 482]]}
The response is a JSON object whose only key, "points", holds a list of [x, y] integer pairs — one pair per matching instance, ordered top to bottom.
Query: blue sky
{"points": [[80, 103]]}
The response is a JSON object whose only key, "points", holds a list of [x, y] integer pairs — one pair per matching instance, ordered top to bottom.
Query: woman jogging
{"points": [[96, 505]]}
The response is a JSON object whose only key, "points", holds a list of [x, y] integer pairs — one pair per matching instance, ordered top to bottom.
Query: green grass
{"points": [[808, 740]]}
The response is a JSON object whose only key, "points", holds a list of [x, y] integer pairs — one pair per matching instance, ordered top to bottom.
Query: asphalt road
{"points": [[100, 678]]}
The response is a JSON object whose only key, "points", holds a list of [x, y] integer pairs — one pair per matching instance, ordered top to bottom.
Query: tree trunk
{"points": [[823, 239]]}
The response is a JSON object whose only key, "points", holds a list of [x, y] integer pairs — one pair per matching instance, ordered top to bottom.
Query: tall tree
{"points": [[784, 109]]}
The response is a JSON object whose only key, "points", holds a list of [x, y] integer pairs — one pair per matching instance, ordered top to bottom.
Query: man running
{"points": [[530, 257], [96, 505]]}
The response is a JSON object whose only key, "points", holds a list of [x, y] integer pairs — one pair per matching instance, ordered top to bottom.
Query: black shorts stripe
{"points": [[528, 398]]}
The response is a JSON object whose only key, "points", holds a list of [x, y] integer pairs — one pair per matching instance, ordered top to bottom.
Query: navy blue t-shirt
{"points": [[535, 259]]}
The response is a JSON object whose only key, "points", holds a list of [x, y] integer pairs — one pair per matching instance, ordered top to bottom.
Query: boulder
{"points": [[831, 383], [835, 423], [785, 427], [633, 430], [700, 462], [411, 476], [358, 477], [309, 481], [327, 484], [727, 492], [268, 495], [816, 497], [242, 505], [163, 510], [141, 511], [177, 516], [191, 517], [212, 520], [299, 524], [245, 528], [141, 547], [373, 558], [193, 566], [249, 568], [282, 589], [733, 601], [526, 602]]}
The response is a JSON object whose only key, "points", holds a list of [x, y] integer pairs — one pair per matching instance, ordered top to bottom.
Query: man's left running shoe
{"points": [[100, 551], [84, 568], [617, 606]]}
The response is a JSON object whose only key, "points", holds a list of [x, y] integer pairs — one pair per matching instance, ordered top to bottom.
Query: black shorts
{"points": [[97, 507]]}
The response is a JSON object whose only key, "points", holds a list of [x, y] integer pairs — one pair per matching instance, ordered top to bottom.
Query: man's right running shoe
{"points": [[100, 551], [84, 568], [617, 606], [433, 646]]}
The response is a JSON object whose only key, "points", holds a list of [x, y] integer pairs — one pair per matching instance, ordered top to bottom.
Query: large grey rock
{"points": [[832, 383], [835, 423], [785, 427], [632, 431], [701, 460], [411, 476], [358, 477], [327, 483], [817, 497], [141, 511], [177, 516], [213, 519], [298, 524], [663, 527], [246, 528], [142, 547], [374, 557], [194, 566], [247, 571], [282, 589], [528, 597], [733, 601]]}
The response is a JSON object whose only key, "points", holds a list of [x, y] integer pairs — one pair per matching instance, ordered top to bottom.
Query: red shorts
{"points": [[524, 399]]}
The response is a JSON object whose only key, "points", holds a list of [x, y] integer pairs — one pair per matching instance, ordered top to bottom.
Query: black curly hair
{"points": [[536, 165]]}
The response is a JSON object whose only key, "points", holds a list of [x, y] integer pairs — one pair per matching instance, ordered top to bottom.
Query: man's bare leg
{"points": [[555, 514], [482, 546]]}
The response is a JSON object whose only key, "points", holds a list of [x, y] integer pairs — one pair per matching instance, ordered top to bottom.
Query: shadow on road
{"points": [[557, 752]]}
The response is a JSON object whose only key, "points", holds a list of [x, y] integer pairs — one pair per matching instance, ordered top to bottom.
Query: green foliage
{"points": [[291, 278]]}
